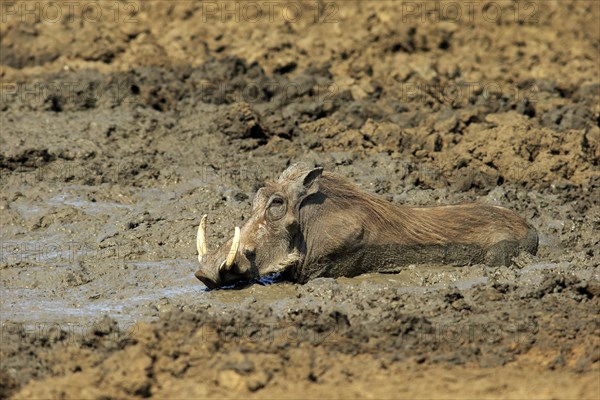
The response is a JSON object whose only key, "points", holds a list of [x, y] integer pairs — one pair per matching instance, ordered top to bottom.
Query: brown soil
{"points": [[119, 130]]}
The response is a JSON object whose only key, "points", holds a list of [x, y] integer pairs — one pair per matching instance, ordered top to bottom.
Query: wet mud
{"points": [[120, 129]]}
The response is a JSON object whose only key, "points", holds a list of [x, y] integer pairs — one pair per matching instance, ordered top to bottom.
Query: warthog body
{"points": [[311, 223]]}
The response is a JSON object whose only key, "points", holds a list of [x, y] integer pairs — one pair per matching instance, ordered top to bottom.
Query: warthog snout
{"points": [[308, 224], [230, 263]]}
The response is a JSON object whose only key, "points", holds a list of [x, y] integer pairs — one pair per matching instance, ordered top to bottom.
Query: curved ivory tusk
{"points": [[201, 238], [233, 251]]}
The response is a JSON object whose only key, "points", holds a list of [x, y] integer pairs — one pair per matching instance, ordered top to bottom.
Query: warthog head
{"points": [[271, 240]]}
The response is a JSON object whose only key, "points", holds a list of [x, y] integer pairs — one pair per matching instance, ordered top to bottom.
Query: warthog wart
{"points": [[309, 223]]}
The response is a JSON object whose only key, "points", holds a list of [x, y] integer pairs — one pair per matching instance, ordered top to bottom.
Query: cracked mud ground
{"points": [[119, 131]]}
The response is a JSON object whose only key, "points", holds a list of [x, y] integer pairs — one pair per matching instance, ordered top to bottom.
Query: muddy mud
{"points": [[122, 123]]}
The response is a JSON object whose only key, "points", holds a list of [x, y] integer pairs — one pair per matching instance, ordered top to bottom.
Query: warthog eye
{"points": [[276, 208]]}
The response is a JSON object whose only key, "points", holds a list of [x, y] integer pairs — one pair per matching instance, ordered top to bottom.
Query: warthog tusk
{"points": [[201, 238], [228, 263]]}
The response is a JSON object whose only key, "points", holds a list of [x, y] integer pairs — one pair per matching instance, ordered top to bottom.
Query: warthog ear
{"points": [[302, 180], [310, 180], [307, 185]]}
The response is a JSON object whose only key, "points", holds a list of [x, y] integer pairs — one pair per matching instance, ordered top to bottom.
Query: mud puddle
{"points": [[148, 288], [90, 300]]}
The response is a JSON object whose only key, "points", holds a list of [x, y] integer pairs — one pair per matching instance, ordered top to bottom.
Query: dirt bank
{"points": [[122, 123]]}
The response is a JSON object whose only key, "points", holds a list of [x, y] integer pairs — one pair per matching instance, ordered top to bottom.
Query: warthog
{"points": [[309, 223]]}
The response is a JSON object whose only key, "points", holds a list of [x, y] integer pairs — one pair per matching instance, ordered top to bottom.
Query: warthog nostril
{"points": [[249, 252]]}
